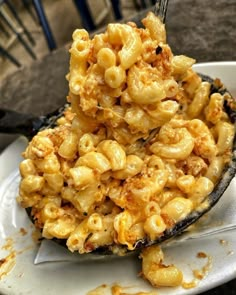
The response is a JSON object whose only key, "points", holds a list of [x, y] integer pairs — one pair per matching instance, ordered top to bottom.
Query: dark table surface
{"points": [[202, 29]]}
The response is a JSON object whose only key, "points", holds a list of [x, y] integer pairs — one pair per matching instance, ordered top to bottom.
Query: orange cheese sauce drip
{"points": [[7, 263], [201, 273], [116, 290]]}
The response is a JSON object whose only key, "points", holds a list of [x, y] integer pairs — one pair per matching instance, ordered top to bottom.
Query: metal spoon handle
{"points": [[160, 9], [203, 233]]}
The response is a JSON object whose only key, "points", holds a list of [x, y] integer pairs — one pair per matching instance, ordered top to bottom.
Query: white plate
{"points": [[78, 278]]}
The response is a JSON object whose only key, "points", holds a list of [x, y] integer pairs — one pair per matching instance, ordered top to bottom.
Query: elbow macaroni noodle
{"points": [[102, 177]]}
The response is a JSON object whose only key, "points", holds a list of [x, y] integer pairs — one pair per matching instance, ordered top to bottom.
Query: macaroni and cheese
{"points": [[142, 144]]}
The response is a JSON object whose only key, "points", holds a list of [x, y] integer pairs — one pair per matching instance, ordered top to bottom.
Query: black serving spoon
{"points": [[13, 122]]}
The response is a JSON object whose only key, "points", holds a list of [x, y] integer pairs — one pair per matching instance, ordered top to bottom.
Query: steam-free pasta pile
{"points": [[142, 145]]}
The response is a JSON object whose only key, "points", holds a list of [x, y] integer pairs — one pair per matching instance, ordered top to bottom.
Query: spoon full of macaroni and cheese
{"points": [[145, 148]]}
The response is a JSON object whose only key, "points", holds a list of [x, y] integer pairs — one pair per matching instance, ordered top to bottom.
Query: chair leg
{"points": [[153, 2], [143, 4], [136, 5], [27, 6], [116, 9], [14, 13], [85, 14], [44, 23], [5, 32], [19, 37], [9, 56]]}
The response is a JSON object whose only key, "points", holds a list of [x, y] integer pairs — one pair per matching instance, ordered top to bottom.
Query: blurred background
{"points": [[31, 29]]}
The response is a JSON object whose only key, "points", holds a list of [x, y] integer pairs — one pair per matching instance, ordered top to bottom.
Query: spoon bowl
{"points": [[207, 204]]}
